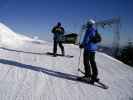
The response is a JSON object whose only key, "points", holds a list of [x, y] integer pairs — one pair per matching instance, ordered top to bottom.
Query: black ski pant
{"points": [[56, 43], [90, 64]]}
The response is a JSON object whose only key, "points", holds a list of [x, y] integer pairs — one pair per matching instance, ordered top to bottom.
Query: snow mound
{"points": [[9, 38]]}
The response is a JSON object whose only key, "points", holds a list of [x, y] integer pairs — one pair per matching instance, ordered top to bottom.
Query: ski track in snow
{"points": [[19, 82]]}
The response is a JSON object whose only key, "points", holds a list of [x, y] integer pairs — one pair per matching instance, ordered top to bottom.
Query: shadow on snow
{"points": [[21, 51], [43, 70]]}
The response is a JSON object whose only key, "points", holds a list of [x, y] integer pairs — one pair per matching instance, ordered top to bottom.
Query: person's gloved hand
{"points": [[81, 46]]}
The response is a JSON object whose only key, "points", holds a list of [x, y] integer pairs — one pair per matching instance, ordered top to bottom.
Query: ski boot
{"points": [[63, 53], [54, 55], [84, 78], [93, 80]]}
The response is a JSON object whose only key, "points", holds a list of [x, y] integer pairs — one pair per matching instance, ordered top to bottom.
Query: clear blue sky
{"points": [[37, 17]]}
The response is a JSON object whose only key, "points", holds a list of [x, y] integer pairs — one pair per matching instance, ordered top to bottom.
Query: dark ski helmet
{"points": [[59, 24]]}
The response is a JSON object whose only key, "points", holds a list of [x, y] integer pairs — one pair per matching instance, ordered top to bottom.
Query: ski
{"points": [[68, 56], [98, 83]]}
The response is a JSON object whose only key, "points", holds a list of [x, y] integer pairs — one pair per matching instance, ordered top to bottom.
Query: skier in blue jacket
{"points": [[90, 48]]}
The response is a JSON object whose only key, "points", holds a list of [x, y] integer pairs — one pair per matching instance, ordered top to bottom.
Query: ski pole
{"points": [[81, 32], [79, 60]]}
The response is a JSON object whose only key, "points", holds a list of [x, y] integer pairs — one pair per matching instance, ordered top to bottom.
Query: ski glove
{"points": [[81, 46]]}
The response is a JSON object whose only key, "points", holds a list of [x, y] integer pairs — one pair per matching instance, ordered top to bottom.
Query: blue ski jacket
{"points": [[88, 45]]}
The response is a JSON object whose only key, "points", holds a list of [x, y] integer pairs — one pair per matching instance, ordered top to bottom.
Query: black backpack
{"points": [[97, 38]]}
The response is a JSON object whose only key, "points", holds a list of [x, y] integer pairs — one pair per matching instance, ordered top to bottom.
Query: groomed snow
{"points": [[27, 73]]}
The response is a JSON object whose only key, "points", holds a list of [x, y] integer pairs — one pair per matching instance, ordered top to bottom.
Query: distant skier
{"points": [[58, 32], [90, 45]]}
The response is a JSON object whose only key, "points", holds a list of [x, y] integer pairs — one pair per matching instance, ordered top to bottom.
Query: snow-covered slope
{"points": [[27, 73]]}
